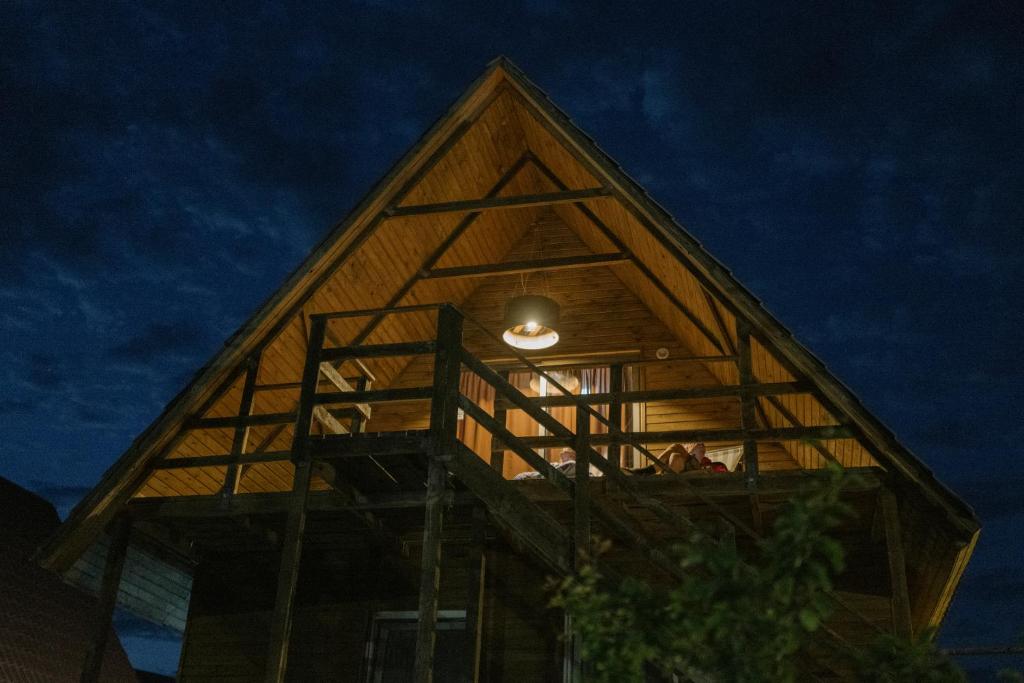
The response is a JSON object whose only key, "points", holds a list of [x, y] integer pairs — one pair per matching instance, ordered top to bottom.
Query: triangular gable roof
{"points": [[545, 135]]}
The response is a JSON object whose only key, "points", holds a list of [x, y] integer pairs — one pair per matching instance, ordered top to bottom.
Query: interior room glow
{"points": [[568, 379]]}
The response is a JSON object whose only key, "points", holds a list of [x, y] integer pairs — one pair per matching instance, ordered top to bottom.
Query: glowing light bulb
{"points": [[530, 326]]}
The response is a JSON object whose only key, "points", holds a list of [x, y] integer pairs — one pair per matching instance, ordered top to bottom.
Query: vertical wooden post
{"points": [[444, 409], [615, 412], [500, 416], [748, 420], [359, 422], [241, 437], [443, 439], [581, 490], [120, 535], [581, 536], [291, 549], [430, 573], [477, 595], [902, 619], [492, 655]]}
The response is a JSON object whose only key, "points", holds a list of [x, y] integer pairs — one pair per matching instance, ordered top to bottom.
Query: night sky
{"points": [[163, 168]]}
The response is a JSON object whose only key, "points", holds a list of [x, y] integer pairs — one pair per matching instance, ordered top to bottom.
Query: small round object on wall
{"points": [[661, 353]]}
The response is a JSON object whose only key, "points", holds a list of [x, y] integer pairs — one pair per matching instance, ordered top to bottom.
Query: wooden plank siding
{"points": [[227, 641]]}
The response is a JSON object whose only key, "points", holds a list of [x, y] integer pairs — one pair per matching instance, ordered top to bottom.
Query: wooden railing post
{"points": [[444, 409], [615, 411], [500, 416], [748, 420], [359, 421], [443, 442], [581, 490], [120, 535], [581, 535], [291, 548], [477, 592]]}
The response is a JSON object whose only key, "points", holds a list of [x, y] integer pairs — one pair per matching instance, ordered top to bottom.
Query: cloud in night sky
{"points": [[164, 167]]}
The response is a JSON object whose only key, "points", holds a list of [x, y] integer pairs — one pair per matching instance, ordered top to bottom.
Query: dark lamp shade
{"points": [[531, 322]]}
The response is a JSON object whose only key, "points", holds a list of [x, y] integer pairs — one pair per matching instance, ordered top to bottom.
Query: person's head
{"points": [[698, 450], [567, 455], [676, 462]]}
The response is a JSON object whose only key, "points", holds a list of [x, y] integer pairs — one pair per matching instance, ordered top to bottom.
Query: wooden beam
{"points": [[492, 203], [529, 266], [378, 350], [630, 357], [343, 386], [687, 393], [377, 395], [444, 408], [615, 410], [747, 412], [359, 419], [500, 420], [236, 422], [330, 423], [690, 435], [241, 436], [443, 442], [378, 444], [221, 460], [581, 492], [206, 507], [120, 536], [291, 549], [430, 573], [288, 575], [477, 592], [902, 620]]}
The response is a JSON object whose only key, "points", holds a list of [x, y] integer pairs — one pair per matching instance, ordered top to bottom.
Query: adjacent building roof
{"points": [[46, 625]]}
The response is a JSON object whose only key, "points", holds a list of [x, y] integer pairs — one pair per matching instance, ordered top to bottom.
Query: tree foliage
{"points": [[737, 618]]}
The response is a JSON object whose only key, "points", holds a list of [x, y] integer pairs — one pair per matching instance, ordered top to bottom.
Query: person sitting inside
{"points": [[682, 458], [567, 462], [566, 465]]}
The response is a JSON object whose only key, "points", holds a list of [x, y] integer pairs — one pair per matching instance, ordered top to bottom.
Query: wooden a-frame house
{"points": [[334, 495]]}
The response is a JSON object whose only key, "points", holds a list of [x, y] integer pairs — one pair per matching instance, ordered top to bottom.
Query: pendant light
{"points": [[531, 322]]}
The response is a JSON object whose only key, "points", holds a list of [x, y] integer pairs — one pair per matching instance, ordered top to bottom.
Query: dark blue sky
{"points": [[162, 168]]}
